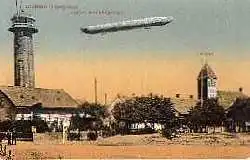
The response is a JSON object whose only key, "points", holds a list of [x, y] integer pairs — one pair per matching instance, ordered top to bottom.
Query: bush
{"points": [[5, 125], [23, 126], [41, 126], [146, 130], [107, 132], [169, 133], [74, 136], [92, 136]]}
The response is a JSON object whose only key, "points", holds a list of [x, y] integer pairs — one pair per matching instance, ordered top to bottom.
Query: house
{"points": [[51, 105]]}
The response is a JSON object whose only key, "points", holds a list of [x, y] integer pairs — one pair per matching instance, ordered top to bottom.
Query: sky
{"points": [[163, 60]]}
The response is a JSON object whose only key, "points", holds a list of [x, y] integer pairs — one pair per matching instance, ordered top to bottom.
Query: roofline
{"points": [[8, 98]]}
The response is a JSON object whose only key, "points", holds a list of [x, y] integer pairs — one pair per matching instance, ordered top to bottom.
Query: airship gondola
{"points": [[127, 25]]}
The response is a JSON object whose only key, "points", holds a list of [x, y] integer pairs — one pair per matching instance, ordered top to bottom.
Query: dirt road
{"points": [[222, 145], [69, 151]]}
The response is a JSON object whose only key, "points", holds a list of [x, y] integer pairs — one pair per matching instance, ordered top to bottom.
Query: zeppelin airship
{"points": [[127, 25]]}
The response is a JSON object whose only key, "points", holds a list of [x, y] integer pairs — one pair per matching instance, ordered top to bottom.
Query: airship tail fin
{"points": [[85, 30]]}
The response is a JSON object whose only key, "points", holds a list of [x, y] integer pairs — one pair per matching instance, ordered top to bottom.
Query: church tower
{"points": [[23, 29], [207, 83]]}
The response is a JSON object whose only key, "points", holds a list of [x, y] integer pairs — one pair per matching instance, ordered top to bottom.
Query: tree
{"points": [[144, 109], [95, 110], [214, 112], [124, 113], [209, 114], [238, 114], [93, 119], [76, 122]]}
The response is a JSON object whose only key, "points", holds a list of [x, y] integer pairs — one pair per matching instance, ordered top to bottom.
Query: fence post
{"points": [[4, 151], [9, 156]]}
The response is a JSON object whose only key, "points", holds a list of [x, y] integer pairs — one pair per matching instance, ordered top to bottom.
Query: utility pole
{"points": [[17, 8], [95, 87], [105, 98]]}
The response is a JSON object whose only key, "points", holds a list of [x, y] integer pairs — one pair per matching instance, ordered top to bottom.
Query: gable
{"points": [[227, 98], [183, 105], [7, 108]]}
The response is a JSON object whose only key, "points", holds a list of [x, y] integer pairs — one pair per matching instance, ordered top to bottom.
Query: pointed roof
{"points": [[206, 72]]}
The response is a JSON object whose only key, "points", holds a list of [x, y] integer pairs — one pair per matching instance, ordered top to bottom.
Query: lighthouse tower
{"points": [[23, 29], [207, 83]]}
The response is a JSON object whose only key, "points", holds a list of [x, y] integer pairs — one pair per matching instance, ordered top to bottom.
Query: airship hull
{"points": [[127, 25]]}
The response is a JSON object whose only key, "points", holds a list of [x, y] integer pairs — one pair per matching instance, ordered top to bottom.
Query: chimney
{"points": [[240, 89], [150, 95], [177, 95]]}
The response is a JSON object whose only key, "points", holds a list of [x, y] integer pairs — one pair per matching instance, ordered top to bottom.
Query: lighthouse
{"points": [[23, 29]]}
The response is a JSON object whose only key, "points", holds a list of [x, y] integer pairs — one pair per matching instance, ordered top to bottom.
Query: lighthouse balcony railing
{"points": [[23, 25]]}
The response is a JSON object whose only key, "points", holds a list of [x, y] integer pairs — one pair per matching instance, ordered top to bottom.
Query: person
{"points": [[14, 136], [9, 137]]}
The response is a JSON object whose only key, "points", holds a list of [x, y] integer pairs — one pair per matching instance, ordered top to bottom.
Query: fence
{"points": [[24, 136], [82, 136], [3, 152]]}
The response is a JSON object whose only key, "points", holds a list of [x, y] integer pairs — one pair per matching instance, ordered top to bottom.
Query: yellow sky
{"points": [[167, 76]]}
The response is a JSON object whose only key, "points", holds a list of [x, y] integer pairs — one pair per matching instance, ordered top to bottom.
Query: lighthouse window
{"points": [[22, 20], [25, 20], [213, 83]]}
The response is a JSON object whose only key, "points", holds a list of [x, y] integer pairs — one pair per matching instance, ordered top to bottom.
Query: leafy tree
{"points": [[144, 109], [95, 110], [214, 112], [210, 113], [238, 114], [93, 119], [76, 122]]}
